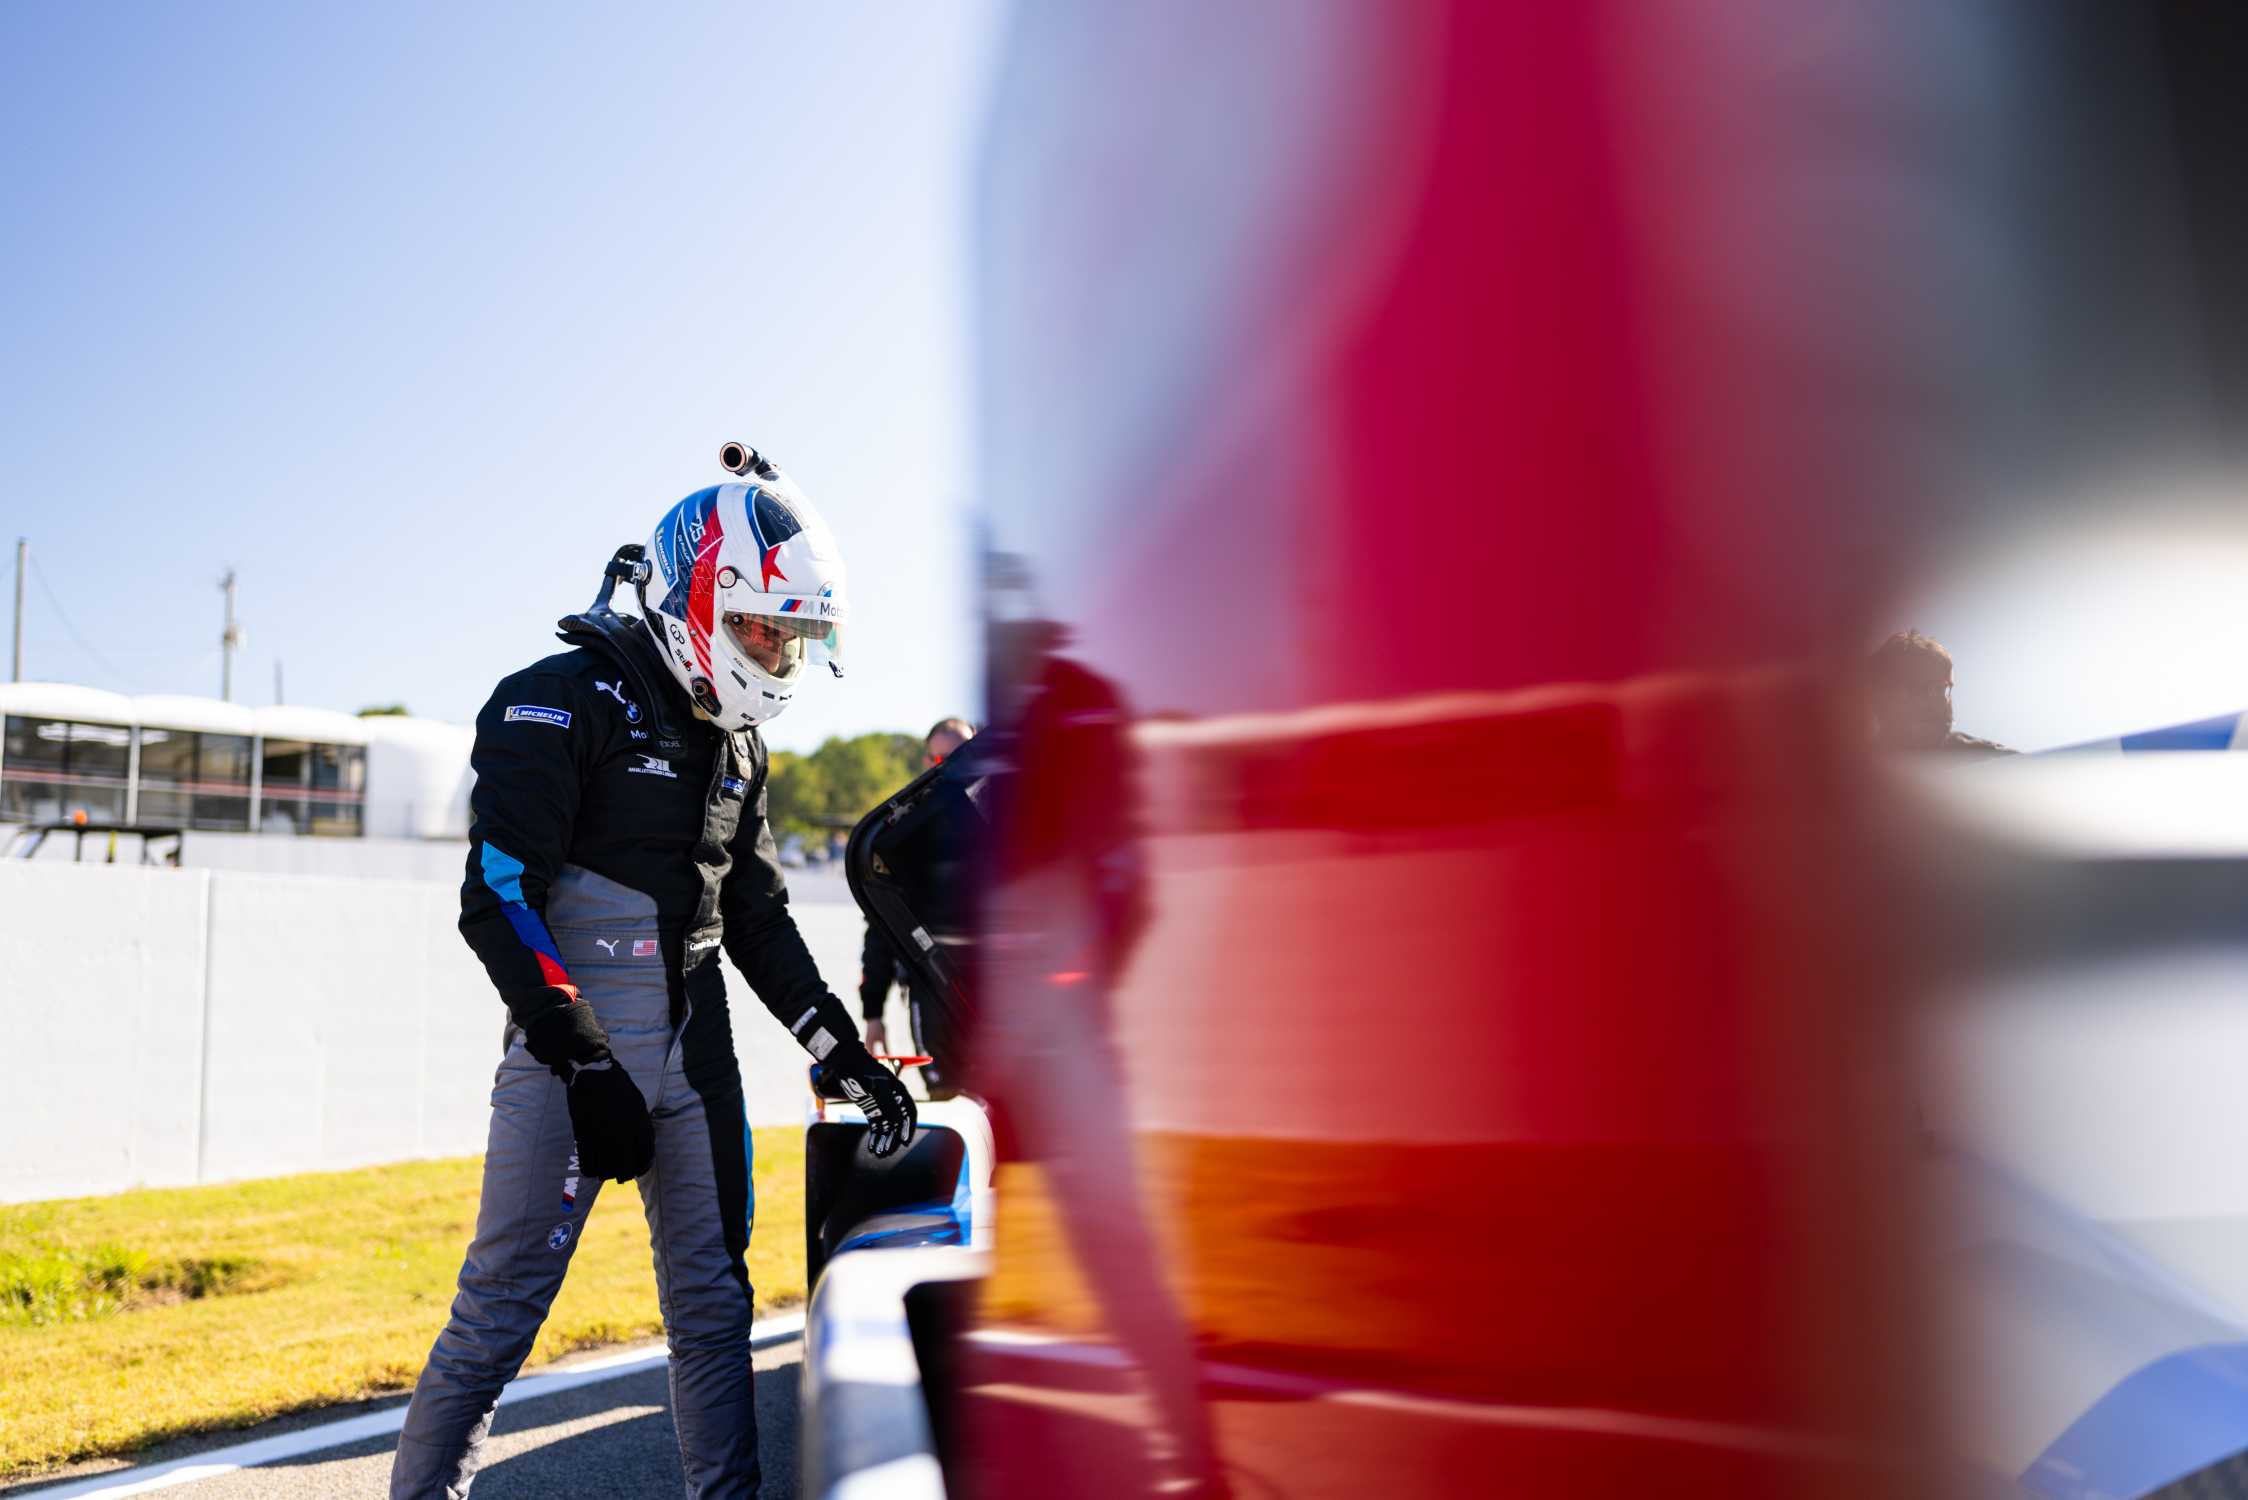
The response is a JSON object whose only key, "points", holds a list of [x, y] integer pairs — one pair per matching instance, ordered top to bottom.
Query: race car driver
{"points": [[618, 839]]}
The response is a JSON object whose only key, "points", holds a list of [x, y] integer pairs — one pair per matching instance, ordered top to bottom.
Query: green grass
{"points": [[43, 1284], [142, 1316]]}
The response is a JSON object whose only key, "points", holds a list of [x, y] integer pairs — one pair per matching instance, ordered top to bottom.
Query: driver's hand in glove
{"points": [[889, 1111], [616, 1139]]}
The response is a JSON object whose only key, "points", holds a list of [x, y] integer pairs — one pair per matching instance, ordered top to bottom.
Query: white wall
{"points": [[418, 778], [277, 854], [101, 998], [347, 1024], [181, 1026]]}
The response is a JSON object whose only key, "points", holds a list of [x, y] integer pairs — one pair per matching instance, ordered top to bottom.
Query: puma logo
{"points": [[616, 691], [609, 944]]}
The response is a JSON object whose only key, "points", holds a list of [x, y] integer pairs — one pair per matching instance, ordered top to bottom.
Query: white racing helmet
{"points": [[745, 593]]}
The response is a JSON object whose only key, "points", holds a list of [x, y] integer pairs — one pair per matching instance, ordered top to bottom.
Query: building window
{"points": [[53, 769], [286, 774], [167, 775], [191, 780], [222, 783], [309, 787], [338, 799]]}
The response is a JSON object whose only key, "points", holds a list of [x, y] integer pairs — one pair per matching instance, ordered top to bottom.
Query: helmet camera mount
{"points": [[740, 458]]}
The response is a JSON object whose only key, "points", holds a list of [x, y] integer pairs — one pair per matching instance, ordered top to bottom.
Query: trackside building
{"points": [[200, 764]]}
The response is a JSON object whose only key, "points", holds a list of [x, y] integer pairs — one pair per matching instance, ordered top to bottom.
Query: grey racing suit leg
{"points": [[696, 1197], [697, 1200], [533, 1206]]}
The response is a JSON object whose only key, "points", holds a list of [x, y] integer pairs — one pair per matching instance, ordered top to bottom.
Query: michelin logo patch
{"points": [[531, 712]]}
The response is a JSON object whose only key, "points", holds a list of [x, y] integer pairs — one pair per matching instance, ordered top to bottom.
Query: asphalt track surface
{"points": [[611, 1438]]}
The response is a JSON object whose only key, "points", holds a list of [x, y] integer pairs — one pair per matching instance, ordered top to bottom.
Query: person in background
{"points": [[1908, 699], [878, 962]]}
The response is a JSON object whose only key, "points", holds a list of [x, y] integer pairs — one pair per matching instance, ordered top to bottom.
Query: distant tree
{"points": [[385, 711], [861, 771], [839, 783], [796, 794]]}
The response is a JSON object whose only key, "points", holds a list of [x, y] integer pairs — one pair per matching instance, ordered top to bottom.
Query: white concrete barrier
{"points": [[274, 854], [101, 1000], [348, 1024], [183, 1026]]}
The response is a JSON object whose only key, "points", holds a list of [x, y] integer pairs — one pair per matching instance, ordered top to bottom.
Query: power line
{"points": [[64, 615]]}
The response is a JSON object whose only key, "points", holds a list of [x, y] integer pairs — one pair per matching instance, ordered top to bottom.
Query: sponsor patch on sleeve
{"points": [[532, 713], [735, 785]]}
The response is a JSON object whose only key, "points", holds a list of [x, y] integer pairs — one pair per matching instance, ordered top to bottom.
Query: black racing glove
{"points": [[860, 1080], [616, 1139]]}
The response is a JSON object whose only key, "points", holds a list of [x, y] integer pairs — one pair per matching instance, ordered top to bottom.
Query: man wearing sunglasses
{"points": [[618, 843]]}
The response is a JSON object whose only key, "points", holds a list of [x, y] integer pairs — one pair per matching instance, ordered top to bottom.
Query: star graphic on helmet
{"points": [[768, 570]]}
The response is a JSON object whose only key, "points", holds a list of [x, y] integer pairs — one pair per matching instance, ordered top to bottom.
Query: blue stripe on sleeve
{"points": [[503, 872]]}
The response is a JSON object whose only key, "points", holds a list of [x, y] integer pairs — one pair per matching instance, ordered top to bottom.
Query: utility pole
{"points": [[23, 554], [229, 640], [277, 681]]}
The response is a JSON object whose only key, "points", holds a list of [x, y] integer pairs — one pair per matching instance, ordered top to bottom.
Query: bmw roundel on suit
{"points": [[618, 842]]}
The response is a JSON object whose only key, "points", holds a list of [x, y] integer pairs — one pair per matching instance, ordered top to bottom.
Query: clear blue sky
{"points": [[413, 311]]}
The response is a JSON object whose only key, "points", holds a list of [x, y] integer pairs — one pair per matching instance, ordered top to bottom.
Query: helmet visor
{"points": [[782, 644]]}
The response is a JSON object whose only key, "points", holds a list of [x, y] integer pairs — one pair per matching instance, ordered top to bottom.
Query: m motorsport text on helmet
{"points": [[742, 590]]}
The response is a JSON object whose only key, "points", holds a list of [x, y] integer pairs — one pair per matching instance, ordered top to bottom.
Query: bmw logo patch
{"points": [[558, 1237]]}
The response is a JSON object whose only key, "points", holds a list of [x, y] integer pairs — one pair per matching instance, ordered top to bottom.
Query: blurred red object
{"points": [[1435, 467]]}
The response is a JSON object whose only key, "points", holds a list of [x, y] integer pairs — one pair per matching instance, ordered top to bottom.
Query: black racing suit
{"points": [[633, 787], [616, 843], [880, 966], [878, 970]]}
